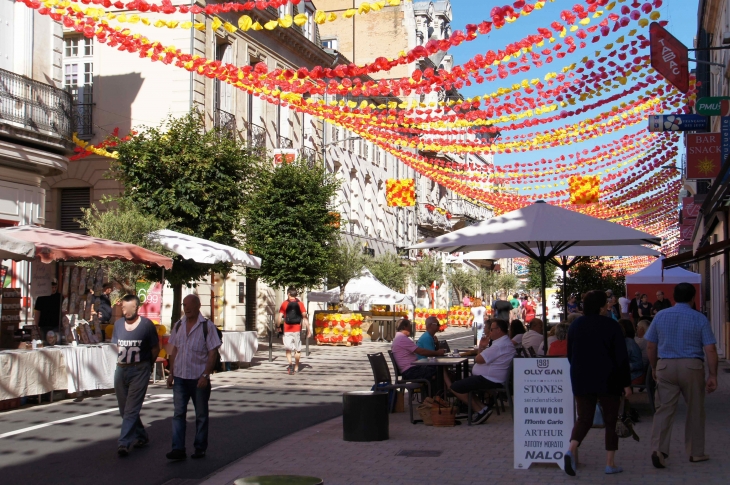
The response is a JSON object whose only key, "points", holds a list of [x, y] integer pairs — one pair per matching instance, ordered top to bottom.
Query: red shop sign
{"points": [[669, 57], [704, 155]]}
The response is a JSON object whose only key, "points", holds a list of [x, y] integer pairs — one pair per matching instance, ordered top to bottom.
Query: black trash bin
{"points": [[365, 416]]}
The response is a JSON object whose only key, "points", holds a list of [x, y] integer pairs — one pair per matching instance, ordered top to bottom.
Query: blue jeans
{"points": [[480, 331], [130, 386], [183, 390]]}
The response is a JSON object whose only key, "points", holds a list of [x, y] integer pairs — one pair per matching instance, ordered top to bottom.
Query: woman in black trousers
{"points": [[599, 372]]}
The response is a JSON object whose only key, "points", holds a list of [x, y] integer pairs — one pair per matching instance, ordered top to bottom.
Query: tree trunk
{"points": [[342, 294], [176, 302]]}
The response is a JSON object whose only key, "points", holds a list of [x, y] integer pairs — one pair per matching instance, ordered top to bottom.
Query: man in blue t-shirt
{"points": [[428, 340], [139, 346]]}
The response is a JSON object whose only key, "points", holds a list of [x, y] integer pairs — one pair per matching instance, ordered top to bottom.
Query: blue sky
{"points": [[681, 15]]}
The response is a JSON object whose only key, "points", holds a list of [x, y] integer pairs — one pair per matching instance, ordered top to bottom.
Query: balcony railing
{"points": [[35, 106], [225, 122], [256, 136], [285, 142], [311, 156]]}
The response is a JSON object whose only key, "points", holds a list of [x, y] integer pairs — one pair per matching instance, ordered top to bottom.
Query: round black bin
{"points": [[365, 416]]}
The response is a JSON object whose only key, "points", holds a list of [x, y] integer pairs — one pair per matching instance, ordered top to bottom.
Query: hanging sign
{"points": [[669, 57], [713, 106], [659, 123], [725, 143], [282, 155], [703, 155], [690, 209], [543, 400]]}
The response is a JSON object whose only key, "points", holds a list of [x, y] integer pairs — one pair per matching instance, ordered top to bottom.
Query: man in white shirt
{"points": [[624, 303], [477, 312], [533, 337], [491, 369]]}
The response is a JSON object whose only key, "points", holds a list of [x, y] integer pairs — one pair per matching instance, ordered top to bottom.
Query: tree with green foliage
{"points": [[195, 180], [124, 224], [291, 225], [346, 262], [389, 269], [428, 270], [591, 275], [534, 278], [463, 281], [488, 282], [508, 282]]}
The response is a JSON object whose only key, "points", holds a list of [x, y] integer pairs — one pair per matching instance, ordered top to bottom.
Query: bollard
{"points": [[365, 416]]}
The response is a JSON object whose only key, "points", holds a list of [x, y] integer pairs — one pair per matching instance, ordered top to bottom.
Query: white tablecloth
{"points": [[239, 346], [90, 367], [31, 372]]}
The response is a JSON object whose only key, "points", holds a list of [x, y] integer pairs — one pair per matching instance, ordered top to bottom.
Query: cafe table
{"points": [[460, 363]]}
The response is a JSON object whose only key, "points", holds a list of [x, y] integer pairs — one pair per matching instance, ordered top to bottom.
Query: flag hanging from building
{"points": [[704, 156], [584, 189], [400, 192]]}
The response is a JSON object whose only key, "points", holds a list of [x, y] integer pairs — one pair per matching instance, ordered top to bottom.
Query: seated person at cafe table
{"points": [[428, 340], [406, 352], [491, 369]]}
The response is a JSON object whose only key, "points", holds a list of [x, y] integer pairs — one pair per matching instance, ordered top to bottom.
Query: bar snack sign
{"points": [[543, 400]]}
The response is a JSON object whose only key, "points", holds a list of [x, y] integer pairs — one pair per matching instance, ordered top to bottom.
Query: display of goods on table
{"points": [[421, 314], [460, 316], [338, 328]]}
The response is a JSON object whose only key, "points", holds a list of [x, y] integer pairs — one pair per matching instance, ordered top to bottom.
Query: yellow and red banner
{"points": [[584, 189], [400, 192]]}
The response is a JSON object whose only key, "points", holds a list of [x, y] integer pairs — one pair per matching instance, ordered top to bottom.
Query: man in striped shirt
{"points": [[192, 359]]}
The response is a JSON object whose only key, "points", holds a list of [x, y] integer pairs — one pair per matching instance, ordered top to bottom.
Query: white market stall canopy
{"points": [[202, 251], [652, 274], [363, 290]]}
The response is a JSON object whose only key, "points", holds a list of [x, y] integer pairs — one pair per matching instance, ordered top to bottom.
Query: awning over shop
{"points": [[53, 245], [15, 249], [203, 251], [702, 253]]}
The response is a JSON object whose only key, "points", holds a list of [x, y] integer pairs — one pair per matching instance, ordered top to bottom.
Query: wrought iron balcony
{"points": [[36, 106], [225, 122], [256, 136], [285, 142], [311, 156]]}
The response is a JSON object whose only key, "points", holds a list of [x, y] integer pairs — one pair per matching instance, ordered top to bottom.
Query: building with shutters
{"points": [[36, 122]]}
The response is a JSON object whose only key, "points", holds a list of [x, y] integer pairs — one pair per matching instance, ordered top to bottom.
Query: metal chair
{"points": [[443, 344], [399, 376], [383, 381], [650, 387], [497, 393]]}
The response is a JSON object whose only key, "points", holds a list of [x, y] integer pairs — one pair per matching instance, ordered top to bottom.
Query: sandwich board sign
{"points": [[543, 401]]}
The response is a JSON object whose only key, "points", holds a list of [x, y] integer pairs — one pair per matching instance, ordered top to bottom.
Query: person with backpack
{"points": [[292, 314], [195, 342]]}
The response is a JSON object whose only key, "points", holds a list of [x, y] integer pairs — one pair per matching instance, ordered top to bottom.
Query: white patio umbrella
{"points": [[539, 231], [203, 251], [578, 253]]}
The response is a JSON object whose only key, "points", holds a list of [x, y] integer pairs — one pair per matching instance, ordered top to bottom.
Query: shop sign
{"points": [[669, 57], [713, 106], [659, 123], [725, 143], [282, 155], [703, 155], [690, 209], [686, 231], [150, 297], [543, 400]]}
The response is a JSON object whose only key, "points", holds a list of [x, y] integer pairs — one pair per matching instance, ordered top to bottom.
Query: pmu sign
{"points": [[669, 57], [713, 106], [658, 123]]}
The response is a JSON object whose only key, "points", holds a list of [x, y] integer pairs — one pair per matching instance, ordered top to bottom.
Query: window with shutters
{"points": [[72, 201]]}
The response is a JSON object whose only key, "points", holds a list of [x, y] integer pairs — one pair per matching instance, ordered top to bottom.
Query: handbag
{"points": [[624, 425]]}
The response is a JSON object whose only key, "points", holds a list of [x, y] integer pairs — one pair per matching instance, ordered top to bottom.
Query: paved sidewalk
{"points": [[480, 454]]}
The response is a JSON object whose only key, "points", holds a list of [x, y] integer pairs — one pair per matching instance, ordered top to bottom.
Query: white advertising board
{"points": [[543, 400]]}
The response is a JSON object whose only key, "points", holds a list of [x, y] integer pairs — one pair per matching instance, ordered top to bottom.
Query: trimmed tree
{"points": [[197, 181], [125, 224], [291, 225], [346, 262], [389, 269], [427, 271], [593, 275], [534, 278], [462, 280], [488, 282], [508, 282]]}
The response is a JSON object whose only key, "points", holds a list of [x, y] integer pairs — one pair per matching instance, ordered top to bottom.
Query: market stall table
{"points": [[238, 346], [461, 364], [90, 367], [31, 372]]}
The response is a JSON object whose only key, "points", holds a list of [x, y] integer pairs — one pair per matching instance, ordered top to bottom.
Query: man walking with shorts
{"points": [[292, 315], [678, 341], [138, 345]]}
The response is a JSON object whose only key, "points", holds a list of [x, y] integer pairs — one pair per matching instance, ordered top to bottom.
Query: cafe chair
{"points": [[443, 344], [399, 376], [383, 381], [649, 386], [497, 394]]}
